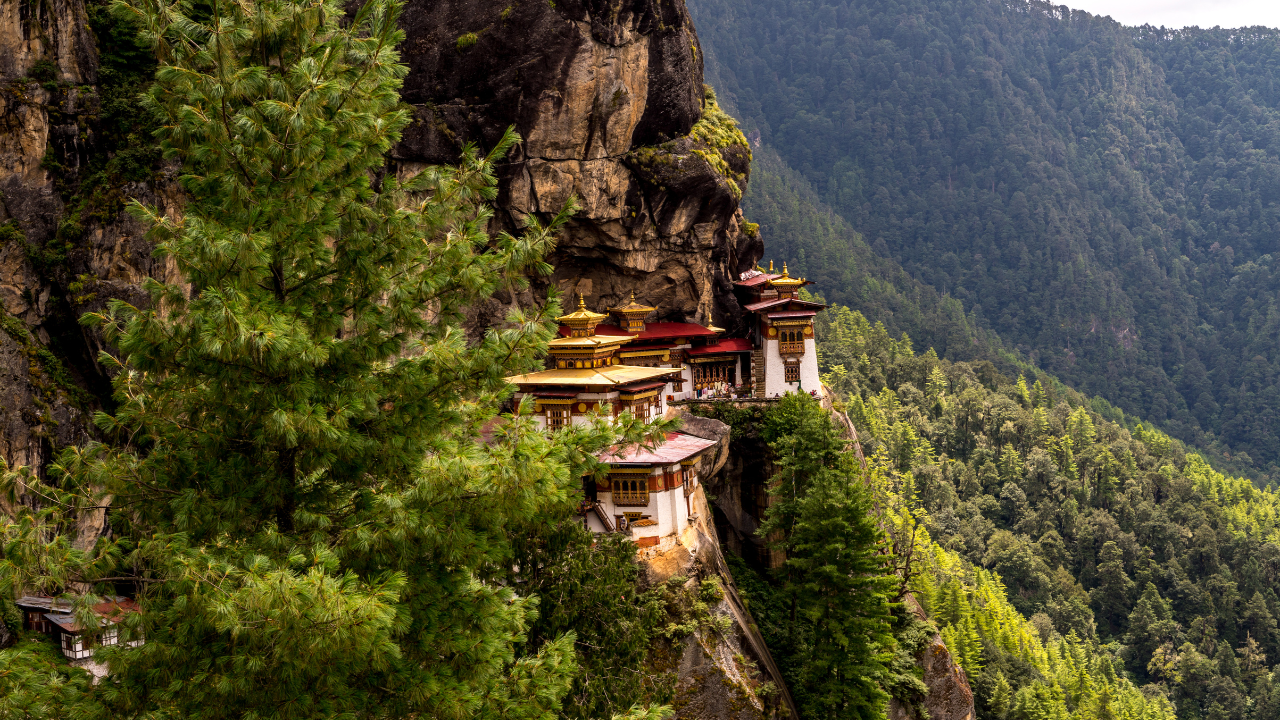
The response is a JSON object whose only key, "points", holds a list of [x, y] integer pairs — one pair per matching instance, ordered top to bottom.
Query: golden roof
{"points": [[786, 280], [632, 307], [581, 314], [582, 322], [588, 342], [612, 375]]}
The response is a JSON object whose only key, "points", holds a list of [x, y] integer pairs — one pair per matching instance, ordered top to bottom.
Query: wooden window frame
{"points": [[558, 416], [630, 490]]}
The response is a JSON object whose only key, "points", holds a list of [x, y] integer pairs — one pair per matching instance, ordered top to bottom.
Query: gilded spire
{"points": [[770, 266], [785, 283], [631, 316], [582, 322]]}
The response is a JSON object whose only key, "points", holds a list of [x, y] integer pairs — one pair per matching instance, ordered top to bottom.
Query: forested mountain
{"points": [[1102, 197], [1057, 550]]}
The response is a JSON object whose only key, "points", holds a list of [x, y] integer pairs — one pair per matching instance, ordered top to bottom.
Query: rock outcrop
{"points": [[608, 97]]}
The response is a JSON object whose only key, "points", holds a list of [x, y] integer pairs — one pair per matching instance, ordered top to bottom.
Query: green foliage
{"points": [[466, 41], [43, 71], [1103, 197], [298, 491], [1136, 559], [588, 585], [827, 611], [36, 682]]}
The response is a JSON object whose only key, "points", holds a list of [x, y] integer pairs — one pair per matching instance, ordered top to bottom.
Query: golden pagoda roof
{"points": [[786, 280], [632, 307], [582, 315], [582, 322], [590, 341], [612, 375]]}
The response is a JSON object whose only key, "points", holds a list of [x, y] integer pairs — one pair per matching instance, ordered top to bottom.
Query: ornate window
{"points": [[791, 342], [792, 373], [706, 374], [557, 416], [630, 490]]}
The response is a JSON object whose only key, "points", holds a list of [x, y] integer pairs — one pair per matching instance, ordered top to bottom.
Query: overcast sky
{"points": [[1181, 13]]}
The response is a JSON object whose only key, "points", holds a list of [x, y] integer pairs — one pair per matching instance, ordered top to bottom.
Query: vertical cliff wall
{"points": [[608, 95], [609, 99], [66, 244]]}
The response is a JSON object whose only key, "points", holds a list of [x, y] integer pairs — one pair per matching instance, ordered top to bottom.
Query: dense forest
{"points": [[1102, 197], [1074, 566]]}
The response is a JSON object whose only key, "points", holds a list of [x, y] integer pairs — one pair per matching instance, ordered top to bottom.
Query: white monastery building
{"points": [[640, 367]]}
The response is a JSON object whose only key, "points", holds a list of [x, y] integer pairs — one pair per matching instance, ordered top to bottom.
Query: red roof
{"points": [[755, 280], [766, 304], [792, 314], [656, 331], [729, 345], [677, 447]]}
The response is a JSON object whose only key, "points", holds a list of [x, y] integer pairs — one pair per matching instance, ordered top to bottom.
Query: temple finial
{"points": [[770, 266], [785, 274], [633, 297], [582, 302]]}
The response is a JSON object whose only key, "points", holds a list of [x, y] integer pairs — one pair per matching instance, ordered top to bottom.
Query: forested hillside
{"points": [[1102, 197], [1068, 560]]}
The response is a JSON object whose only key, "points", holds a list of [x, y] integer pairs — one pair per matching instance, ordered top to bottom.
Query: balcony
{"points": [[791, 348], [630, 498]]}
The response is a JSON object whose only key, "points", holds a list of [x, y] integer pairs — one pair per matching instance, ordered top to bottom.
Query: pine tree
{"points": [[1023, 394], [299, 497], [837, 573], [841, 586], [1111, 597], [1151, 625], [1001, 697]]}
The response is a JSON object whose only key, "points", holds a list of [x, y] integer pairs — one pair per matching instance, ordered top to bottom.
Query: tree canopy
{"points": [[1102, 197], [307, 484]]}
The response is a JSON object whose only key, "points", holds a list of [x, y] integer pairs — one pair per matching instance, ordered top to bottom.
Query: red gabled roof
{"points": [[766, 304], [729, 345], [677, 447]]}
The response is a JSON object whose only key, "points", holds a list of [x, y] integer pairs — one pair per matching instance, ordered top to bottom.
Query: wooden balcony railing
{"points": [[791, 348], [630, 491], [637, 498]]}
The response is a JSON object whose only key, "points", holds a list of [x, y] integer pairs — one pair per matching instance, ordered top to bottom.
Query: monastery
{"points": [[641, 367], [56, 618]]}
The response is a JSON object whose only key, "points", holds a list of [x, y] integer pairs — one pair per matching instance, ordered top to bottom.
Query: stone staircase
{"points": [[757, 372]]}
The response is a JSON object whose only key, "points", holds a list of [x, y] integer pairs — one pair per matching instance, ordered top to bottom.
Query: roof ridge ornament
{"points": [[582, 322]]}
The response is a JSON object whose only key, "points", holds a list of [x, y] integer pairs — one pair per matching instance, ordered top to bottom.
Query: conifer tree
{"points": [[298, 495], [836, 574], [1151, 625]]}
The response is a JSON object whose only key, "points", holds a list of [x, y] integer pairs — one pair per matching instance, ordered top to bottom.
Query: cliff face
{"points": [[52, 41], [607, 94], [608, 97], [62, 252]]}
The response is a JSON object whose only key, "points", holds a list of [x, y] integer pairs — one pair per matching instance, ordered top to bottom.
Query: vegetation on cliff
{"points": [[1103, 197], [300, 494], [1078, 567], [828, 611]]}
